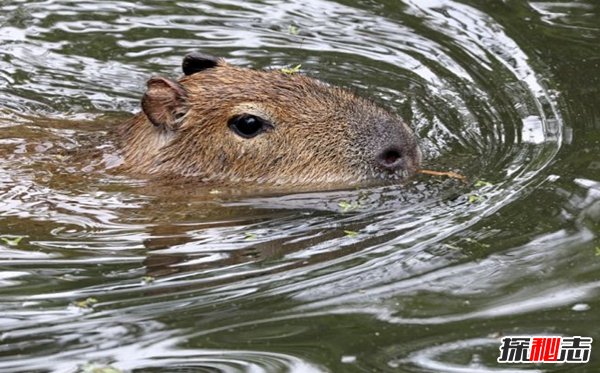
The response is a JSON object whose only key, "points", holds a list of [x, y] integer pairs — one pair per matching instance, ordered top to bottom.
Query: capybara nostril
{"points": [[390, 159]]}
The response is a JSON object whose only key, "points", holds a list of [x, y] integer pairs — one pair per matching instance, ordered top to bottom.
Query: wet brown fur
{"points": [[322, 134]]}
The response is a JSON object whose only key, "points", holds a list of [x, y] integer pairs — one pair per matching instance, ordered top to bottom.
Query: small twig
{"points": [[450, 174]]}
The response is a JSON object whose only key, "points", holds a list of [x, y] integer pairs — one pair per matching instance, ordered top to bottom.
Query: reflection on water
{"points": [[105, 270]]}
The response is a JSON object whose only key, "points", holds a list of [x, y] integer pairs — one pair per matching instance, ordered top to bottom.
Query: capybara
{"points": [[225, 124]]}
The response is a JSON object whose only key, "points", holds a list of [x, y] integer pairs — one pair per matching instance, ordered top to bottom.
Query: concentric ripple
{"points": [[103, 270]]}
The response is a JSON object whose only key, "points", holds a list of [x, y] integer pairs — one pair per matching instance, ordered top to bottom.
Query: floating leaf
{"points": [[294, 30], [291, 70], [482, 183], [474, 198], [348, 206], [351, 234], [250, 236], [12, 240], [598, 251], [147, 280], [88, 303], [97, 368]]}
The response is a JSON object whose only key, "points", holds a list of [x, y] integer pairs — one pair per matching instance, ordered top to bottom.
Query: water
{"points": [[101, 270]]}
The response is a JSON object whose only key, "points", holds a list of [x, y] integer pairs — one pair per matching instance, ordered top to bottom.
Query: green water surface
{"points": [[104, 272]]}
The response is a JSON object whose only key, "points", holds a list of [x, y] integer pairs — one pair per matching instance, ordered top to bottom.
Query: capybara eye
{"points": [[248, 126]]}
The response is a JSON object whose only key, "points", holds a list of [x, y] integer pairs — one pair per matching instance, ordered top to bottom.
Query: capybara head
{"points": [[228, 124]]}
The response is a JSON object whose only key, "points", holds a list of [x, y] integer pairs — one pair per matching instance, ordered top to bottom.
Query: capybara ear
{"points": [[196, 62], [165, 103]]}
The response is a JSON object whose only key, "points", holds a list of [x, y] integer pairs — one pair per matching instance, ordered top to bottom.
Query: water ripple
{"points": [[377, 279]]}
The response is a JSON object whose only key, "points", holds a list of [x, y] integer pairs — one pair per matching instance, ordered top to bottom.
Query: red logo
{"points": [[542, 349]]}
